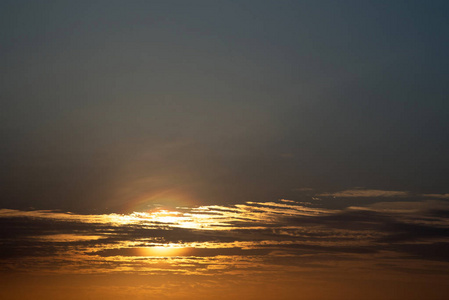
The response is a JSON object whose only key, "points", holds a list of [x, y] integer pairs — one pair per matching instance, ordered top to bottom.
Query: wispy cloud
{"points": [[361, 193], [366, 193], [438, 196], [286, 233], [213, 248]]}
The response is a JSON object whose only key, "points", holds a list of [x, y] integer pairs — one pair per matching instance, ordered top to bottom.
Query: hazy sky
{"points": [[109, 102], [224, 149]]}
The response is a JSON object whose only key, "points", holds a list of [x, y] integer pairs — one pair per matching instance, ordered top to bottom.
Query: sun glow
{"points": [[165, 216], [203, 220], [166, 250]]}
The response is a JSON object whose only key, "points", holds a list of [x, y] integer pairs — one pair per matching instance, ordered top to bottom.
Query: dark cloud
{"points": [[439, 213], [402, 232], [438, 251]]}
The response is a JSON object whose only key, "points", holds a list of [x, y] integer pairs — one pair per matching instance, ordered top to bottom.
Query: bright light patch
{"points": [[168, 250]]}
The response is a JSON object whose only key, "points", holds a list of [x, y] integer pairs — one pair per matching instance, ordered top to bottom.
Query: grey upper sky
{"points": [[118, 105]]}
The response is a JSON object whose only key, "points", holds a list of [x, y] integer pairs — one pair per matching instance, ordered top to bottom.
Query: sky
{"points": [[177, 148]]}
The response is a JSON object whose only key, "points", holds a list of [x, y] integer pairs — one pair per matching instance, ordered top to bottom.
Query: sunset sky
{"points": [[224, 149]]}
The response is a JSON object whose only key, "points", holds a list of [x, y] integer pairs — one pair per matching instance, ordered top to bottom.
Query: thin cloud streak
{"points": [[366, 193], [438, 196]]}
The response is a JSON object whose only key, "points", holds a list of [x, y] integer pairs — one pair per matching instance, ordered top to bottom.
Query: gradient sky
{"points": [[105, 102], [115, 107]]}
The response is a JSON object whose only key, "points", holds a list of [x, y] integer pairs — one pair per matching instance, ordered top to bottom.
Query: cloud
{"points": [[304, 189], [354, 193], [366, 193], [439, 196], [241, 238]]}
